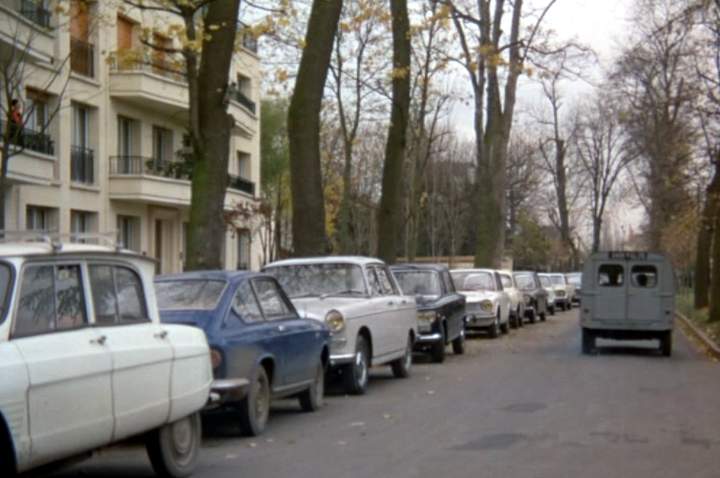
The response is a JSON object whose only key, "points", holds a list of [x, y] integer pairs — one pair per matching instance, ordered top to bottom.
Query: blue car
{"points": [[254, 333]]}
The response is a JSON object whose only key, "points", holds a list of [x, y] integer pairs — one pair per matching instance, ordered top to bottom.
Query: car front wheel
{"points": [[458, 344], [437, 353], [401, 367], [356, 374], [173, 448]]}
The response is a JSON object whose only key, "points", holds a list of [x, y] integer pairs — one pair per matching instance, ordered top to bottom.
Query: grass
{"points": [[684, 304]]}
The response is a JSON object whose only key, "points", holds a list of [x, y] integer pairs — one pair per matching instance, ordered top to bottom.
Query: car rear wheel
{"points": [[532, 315], [505, 327], [588, 342], [458, 344], [437, 353], [401, 367], [355, 375], [312, 399], [255, 407], [173, 449]]}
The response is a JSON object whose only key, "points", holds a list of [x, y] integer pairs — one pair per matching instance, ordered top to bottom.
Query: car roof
{"points": [[46, 249], [357, 260], [419, 267], [491, 271], [524, 272], [221, 275]]}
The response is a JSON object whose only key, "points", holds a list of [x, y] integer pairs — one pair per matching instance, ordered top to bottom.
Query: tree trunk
{"points": [[211, 145], [308, 209], [389, 213], [597, 230], [345, 232], [705, 239], [714, 315]]}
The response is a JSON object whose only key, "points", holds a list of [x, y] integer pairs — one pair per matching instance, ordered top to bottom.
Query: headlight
{"points": [[486, 305], [425, 320], [335, 321]]}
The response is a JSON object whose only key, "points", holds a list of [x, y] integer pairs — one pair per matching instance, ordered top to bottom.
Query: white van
{"points": [[627, 296]]}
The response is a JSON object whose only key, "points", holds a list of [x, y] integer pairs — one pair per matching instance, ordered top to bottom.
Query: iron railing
{"points": [[35, 12], [82, 57], [145, 61], [237, 94], [30, 139], [82, 165], [241, 184]]}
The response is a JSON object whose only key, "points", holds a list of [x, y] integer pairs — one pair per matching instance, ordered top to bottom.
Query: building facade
{"points": [[104, 146]]}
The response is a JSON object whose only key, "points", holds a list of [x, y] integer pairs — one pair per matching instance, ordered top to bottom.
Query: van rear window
{"points": [[611, 275], [644, 276]]}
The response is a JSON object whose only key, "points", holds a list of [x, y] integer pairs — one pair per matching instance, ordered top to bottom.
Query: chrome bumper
{"points": [[472, 320], [425, 338], [341, 359], [227, 390]]}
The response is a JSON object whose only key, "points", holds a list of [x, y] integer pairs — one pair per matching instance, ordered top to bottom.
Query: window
{"points": [[125, 28], [38, 111], [81, 126], [127, 132], [162, 144], [82, 162], [243, 165], [40, 218], [81, 223], [129, 232], [243, 249], [611, 275], [644, 276], [6, 280], [314, 280], [474, 280], [379, 281], [506, 281], [525, 281], [419, 282], [498, 282], [545, 282], [449, 283], [189, 294], [117, 295], [51, 298], [272, 303], [245, 305]]}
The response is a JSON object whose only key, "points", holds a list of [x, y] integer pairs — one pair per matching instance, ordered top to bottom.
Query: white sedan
{"points": [[487, 305], [370, 321], [85, 361]]}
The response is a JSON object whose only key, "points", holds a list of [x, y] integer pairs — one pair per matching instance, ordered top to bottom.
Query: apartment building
{"points": [[112, 158]]}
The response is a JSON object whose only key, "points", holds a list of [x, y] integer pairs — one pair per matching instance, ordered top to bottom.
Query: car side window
{"points": [[506, 281], [449, 282], [498, 282], [386, 285], [375, 287], [118, 295], [51, 299], [272, 302], [245, 305]]}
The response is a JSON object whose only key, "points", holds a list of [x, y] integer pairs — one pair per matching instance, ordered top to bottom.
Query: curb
{"points": [[707, 343]]}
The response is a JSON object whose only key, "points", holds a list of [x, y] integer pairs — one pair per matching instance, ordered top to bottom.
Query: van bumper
{"points": [[620, 334]]}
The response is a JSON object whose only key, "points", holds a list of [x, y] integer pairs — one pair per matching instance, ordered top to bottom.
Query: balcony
{"points": [[36, 13], [26, 25], [82, 57], [149, 81], [236, 94], [32, 140], [32, 158], [82, 165], [162, 182]]}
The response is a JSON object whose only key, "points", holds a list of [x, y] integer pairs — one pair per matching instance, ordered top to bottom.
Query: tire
{"points": [[551, 309], [532, 315], [543, 317], [521, 318], [513, 319], [505, 328], [494, 329], [588, 342], [666, 343], [458, 345], [437, 352], [401, 367], [355, 375], [312, 399], [255, 407], [174, 448]]}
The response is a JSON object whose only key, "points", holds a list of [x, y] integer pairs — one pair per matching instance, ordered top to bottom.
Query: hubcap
{"points": [[408, 356], [361, 367], [320, 383], [261, 401], [182, 436]]}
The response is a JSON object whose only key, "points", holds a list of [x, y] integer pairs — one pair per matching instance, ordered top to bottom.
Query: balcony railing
{"points": [[35, 12], [82, 57], [146, 61], [237, 94], [32, 140], [82, 165], [144, 166], [242, 184]]}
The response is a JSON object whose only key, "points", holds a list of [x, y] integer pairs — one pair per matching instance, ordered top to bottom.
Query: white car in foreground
{"points": [[487, 306], [370, 321], [86, 363]]}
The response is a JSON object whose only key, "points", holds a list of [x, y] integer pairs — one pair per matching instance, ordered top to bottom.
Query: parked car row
{"points": [[93, 353]]}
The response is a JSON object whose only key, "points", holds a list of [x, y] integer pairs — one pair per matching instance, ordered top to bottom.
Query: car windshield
{"points": [[575, 279], [314, 280], [474, 280], [558, 280], [525, 281], [544, 281], [419, 282], [5, 284], [195, 294]]}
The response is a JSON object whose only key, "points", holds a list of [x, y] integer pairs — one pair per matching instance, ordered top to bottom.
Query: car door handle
{"points": [[281, 328], [161, 335], [99, 341]]}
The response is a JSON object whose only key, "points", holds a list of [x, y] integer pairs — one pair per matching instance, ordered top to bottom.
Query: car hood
{"points": [[479, 295], [317, 307], [196, 318]]}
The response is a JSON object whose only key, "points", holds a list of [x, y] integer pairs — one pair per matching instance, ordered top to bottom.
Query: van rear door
{"points": [[610, 295], [644, 297]]}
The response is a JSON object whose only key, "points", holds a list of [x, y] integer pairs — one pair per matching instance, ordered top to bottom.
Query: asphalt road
{"points": [[528, 405]]}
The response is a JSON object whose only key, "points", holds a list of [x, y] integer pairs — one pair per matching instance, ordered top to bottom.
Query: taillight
{"points": [[215, 358]]}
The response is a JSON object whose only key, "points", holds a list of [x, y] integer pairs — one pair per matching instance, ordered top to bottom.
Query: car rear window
{"points": [[611, 275], [644, 276], [419, 282], [190, 294]]}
